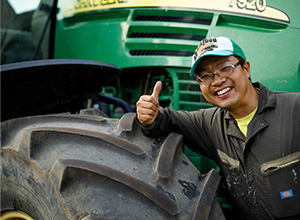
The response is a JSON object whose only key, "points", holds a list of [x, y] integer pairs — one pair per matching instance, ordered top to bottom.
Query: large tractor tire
{"points": [[91, 167]]}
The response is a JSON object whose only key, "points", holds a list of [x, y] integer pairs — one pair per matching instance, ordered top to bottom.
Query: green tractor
{"points": [[72, 71]]}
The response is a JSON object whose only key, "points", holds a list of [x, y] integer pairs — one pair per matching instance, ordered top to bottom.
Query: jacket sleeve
{"points": [[194, 126]]}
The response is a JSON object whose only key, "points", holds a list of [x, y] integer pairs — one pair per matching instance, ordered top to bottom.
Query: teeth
{"points": [[223, 91]]}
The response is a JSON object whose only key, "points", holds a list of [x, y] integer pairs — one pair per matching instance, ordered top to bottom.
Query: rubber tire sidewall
{"points": [[26, 188]]}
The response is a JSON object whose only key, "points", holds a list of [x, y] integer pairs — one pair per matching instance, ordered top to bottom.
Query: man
{"points": [[253, 134]]}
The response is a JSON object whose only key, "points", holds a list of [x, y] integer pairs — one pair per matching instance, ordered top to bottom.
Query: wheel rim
{"points": [[15, 215]]}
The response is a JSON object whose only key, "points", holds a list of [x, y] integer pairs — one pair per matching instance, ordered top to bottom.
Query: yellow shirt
{"points": [[243, 122]]}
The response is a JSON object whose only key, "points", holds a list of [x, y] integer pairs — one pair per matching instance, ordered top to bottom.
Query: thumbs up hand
{"points": [[148, 106]]}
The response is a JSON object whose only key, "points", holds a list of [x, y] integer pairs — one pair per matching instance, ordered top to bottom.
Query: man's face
{"points": [[229, 92]]}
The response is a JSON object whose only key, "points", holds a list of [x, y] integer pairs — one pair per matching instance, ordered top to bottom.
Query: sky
{"points": [[21, 6]]}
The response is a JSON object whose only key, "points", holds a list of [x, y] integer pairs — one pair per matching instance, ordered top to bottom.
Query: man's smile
{"points": [[223, 91]]}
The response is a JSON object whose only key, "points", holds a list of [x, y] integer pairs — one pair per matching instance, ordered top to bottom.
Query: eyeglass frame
{"points": [[198, 78]]}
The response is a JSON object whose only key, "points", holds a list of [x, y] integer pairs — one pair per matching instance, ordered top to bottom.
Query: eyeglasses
{"points": [[222, 72]]}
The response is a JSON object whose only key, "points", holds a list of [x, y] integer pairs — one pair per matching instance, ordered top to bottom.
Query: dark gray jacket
{"points": [[262, 171]]}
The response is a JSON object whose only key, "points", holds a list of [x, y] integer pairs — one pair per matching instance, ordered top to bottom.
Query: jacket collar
{"points": [[267, 98]]}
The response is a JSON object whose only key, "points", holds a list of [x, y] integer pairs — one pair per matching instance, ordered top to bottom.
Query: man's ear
{"points": [[247, 68]]}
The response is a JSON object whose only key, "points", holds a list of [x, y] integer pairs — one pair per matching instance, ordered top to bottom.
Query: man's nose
{"points": [[217, 79]]}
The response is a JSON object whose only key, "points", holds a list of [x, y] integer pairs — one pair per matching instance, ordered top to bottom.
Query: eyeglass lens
{"points": [[222, 72]]}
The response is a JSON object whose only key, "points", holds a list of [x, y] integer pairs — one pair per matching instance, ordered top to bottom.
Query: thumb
{"points": [[156, 90]]}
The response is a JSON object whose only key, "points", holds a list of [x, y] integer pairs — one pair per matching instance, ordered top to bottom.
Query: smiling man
{"points": [[237, 95], [253, 134]]}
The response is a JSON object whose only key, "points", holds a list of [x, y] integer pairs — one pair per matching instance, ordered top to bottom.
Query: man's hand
{"points": [[148, 106]]}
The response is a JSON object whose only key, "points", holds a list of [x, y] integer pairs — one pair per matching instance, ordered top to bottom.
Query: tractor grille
{"points": [[192, 20], [166, 33], [160, 53], [187, 94]]}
